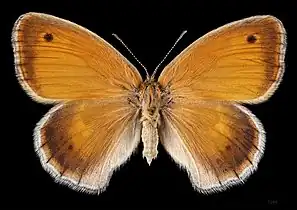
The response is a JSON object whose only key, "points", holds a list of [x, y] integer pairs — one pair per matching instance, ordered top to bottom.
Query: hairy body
{"points": [[150, 99]]}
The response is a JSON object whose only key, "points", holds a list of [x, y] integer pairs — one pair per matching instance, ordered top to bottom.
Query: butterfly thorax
{"points": [[149, 97], [150, 101]]}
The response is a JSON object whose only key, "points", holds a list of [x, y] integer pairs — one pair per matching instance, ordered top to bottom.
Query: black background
{"points": [[150, 29]]}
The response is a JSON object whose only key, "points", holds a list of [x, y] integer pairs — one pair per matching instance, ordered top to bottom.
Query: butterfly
{"points": [[103, 109]]}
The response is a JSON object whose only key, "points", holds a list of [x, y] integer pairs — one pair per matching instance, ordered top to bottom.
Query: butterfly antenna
{"points": [[118, 38], [179, 38]]}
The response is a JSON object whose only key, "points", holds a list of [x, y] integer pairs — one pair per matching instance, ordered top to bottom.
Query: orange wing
{"points": [[59, 60], [242, 61], [203, 128], [81, 143], [219, 144]]}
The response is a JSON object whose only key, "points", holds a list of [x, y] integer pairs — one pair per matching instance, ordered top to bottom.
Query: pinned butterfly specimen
{"points": [[104, 109]]}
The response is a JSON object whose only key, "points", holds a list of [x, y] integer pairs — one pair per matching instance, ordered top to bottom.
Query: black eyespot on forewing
{"points": [[48, 37], [251, 38]]}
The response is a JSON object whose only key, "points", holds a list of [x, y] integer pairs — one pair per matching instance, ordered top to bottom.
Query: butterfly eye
{"points": [[48, 37], [251, 39]]}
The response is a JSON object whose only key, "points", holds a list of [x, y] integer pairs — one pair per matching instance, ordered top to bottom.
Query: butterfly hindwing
{"points": [[82, 143], [219, 144]]}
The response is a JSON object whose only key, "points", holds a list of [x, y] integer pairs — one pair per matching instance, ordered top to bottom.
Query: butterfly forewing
{"points": [[59, 60], [242, 61]]}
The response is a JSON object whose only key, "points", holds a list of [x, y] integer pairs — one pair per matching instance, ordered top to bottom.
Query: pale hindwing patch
{"points": [[217, 158], [91, 175]]}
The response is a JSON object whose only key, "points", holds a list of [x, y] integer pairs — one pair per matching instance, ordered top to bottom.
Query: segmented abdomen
{"points": [[150, 140]]}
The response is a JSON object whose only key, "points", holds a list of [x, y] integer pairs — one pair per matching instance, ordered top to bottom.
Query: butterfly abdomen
{"points": [[150, 141]]}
